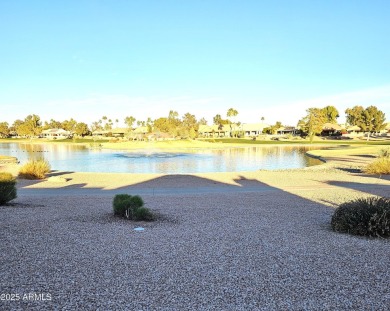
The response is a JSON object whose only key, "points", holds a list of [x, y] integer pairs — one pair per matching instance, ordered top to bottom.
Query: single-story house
{"points": [[253, 129], [329, 129], [353, 129], [214, 130], [287, 130], [119, 132], [100, 133], [55, 134]]}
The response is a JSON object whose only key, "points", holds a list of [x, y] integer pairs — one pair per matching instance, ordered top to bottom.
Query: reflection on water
{"points": [[80, 158]]}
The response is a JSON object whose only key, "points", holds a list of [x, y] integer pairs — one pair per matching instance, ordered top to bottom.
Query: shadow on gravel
{"points": [[374, 189], [249, 240]]}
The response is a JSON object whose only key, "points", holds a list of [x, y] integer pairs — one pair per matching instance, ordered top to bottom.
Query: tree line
{"points": [[369, 119]]}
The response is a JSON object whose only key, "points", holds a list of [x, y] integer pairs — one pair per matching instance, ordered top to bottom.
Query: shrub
{"points": [[384, 153], [378, 166], [35, 169], [7, 188], [120, 204], [131, 207], [143, 213], [365, 216]]}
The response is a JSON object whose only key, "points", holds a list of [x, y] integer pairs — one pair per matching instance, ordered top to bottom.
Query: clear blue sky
{"points": [[85, 59]]}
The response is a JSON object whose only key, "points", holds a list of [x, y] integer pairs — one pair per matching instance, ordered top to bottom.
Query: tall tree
{"points": [[232, 113], [331, 114], [173, 115], [354, 116], [217, 119], [369, 120], [129, 121], [202, 121], [313, 122], [52, 124], [69, 125], [31, 126], [96, 126], [189, 126], [4, 129], [81, 129], [273, 129]]}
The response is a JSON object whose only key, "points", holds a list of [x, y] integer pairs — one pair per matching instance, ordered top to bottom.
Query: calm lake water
{"points": [[81, 159]]}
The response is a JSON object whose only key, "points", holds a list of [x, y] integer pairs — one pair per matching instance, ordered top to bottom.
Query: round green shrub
{"points": [[7, 188], [136, 201], [121, 204], [125, 204], [143, 213], [365, 216]]}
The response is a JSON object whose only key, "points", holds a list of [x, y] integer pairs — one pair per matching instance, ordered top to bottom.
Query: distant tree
{"points": [[232, 113], [331, 114], [173, 115], [354, 116], [217, 119], [262, 119], [374, 119], [189, 120], [369, 120], [129, 121], [202, 121], [313, 122], [116, 123], [52, 124], [149, 124], [162, 124], [15, 125], [69, 125], [108, 125], [170, 125], [96, 126], [189, 126], [30, 127], [4, 129], [81, 129], [273, 129]]}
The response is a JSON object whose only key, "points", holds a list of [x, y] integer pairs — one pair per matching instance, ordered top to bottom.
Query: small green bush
{"points": [[380, 166], [35, 169], [7, 188], [121, 204], [131, 207], [143, 213], [365, 216]]}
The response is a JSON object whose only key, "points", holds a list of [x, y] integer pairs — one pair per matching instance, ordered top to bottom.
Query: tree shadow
{"points": [[58, 173], [370, 188]]}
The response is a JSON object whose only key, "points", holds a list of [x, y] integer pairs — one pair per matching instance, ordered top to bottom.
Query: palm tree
{"points": [[232, 113]]}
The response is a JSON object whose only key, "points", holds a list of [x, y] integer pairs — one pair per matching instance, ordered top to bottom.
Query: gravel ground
{"points": [[264, 244]]}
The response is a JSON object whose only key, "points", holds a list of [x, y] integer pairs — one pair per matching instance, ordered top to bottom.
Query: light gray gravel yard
{"points": [[230, 248]]}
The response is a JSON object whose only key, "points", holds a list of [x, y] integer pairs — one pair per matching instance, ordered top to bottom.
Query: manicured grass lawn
{"points": [[298, 142]]}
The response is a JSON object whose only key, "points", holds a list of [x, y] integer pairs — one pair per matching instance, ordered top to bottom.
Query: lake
{"points": [[82, 159]]}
